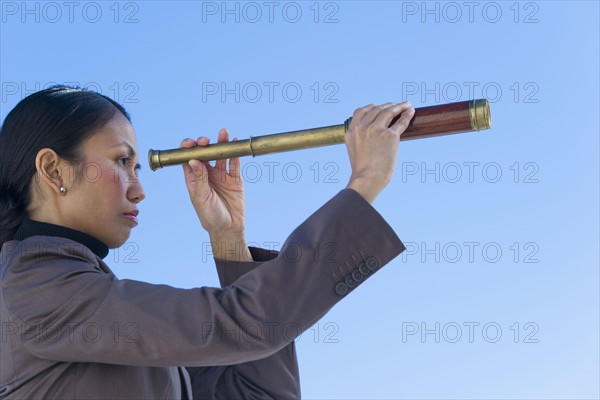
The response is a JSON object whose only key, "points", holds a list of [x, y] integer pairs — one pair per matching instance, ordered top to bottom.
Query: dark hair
{"points": [[60, 118]]}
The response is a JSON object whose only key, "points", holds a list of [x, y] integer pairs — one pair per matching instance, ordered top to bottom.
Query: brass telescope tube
{"points": [[439, 120]]}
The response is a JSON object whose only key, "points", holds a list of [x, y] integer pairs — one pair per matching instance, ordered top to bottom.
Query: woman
{"points": [[71, 329]]}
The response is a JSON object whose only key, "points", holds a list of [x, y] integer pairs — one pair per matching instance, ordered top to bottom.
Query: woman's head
{"points": [[67, 156]]}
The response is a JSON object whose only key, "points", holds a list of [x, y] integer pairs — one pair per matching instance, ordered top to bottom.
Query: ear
{"points": [[50, 168]]}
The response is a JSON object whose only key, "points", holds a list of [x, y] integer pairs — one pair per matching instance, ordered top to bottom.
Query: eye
{"points": [[128, 163]]}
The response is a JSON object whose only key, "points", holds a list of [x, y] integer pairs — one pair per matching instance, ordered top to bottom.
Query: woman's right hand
{"points": [[373, 146], [216, 194]]}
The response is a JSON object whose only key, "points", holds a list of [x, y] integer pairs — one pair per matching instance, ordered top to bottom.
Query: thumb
{"points": [[196, 177]]}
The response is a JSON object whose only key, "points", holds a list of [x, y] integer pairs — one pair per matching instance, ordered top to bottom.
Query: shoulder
{"points": [[44, 248], [50, 255], [43, 272]]}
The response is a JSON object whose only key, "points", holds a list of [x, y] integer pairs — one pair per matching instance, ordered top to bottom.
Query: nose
{"points": [[136, 192]]}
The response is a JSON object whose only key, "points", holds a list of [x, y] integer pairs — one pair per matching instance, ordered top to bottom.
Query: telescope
{"points": [[438, 120]]}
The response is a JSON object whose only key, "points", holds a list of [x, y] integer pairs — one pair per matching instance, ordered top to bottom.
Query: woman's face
{"points": [[103, 203]]}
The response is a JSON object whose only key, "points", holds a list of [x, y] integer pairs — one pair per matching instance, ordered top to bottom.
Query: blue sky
{"points": [[497, 295]]}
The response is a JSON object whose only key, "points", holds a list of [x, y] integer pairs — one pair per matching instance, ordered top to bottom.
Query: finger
{"points": [[374, 112], [359, 113], [385, 118], [402, 123], [223, 137], [203, 141], [187, 142], [234, 165]]}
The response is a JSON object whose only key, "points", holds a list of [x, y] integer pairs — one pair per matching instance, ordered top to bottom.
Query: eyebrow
{"points": [[131, 151]]}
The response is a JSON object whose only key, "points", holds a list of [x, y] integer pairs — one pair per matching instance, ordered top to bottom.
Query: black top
{"points": [[30, 228]]}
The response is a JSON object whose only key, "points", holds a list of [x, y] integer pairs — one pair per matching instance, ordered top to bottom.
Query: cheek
{"points": [[110, 180]]}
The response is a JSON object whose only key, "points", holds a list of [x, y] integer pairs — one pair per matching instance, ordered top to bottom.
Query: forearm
{"points": [[230, 247]]}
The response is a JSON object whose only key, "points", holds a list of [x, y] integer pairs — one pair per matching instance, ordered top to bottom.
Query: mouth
{"points": [[132, 216]]}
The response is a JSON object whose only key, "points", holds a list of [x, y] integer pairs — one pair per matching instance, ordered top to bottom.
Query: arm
{"points": [[372, 149], [245, 321], [238, 381]]}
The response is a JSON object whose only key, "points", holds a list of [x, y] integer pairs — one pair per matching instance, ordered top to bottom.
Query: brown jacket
{"points": [[72, 330]]}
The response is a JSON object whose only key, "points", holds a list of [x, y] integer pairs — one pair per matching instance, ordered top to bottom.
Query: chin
{"points": [[120, 241], [116, 245]]}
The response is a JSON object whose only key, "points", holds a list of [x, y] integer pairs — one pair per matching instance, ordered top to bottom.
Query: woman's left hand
{"points": [[216, 194]]}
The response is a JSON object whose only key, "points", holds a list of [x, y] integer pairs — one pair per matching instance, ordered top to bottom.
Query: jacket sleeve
{"points": [[71, 309], [248, 380]]}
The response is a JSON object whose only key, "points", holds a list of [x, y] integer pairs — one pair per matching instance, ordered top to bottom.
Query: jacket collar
{"points": [[30, 228]]}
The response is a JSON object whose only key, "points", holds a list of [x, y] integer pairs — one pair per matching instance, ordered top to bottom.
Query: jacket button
{"points": [[372, 263], [362, 267], [357, 276], [349, 281], [341, 288]]}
